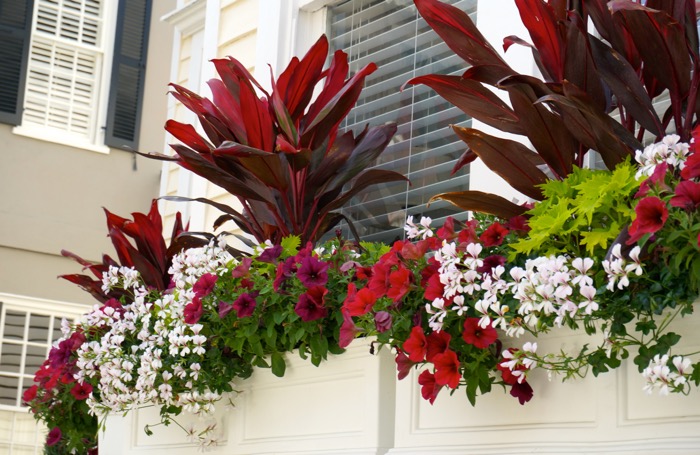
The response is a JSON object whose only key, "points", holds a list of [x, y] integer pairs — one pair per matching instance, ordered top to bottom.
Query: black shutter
{"points": [[15, 29], [128, 74]]}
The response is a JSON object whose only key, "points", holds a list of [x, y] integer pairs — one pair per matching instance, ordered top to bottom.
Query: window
{"points": [[394, 36], [59, 55], [26, 333]]}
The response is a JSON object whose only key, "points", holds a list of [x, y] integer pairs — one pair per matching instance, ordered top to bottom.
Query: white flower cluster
{"points": [[669, 151], [422, 230], [189, 265], [618, 267], [120, 277], [146, 354], [520, 362], [658, 375]]}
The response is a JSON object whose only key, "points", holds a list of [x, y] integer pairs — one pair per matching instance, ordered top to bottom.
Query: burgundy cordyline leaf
{"points": [[539, 19], [461, 35], [578, 64], [334, 80], [297, 82], [230, 110], [188, 135], [482, 202]]}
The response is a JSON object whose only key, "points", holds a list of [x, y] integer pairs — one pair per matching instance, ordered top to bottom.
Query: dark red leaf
{"points": [[540, 21], [303, 78], [188, 135], [467, 157], [265, 166], [367, 178], [478, 201]]}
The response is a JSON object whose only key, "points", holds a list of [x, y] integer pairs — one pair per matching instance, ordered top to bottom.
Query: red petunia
{"points": [[692, 165], [687, 196], [651, 216], [447, 231], [493, 235], [491, 262], [379, 282], [399, 284], [204, 285], [434, 288], [359, 302], [245, 304], [311, 304], [193, 311], [348, 330], [479, 337], [438, 343], [416, 345], [447, 369], [429, 387], [81, 390], [522, 391], [30, 394], [53, 437]]}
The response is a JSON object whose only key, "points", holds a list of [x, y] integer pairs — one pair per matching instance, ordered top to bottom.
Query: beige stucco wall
{"points": [[51, 196]]}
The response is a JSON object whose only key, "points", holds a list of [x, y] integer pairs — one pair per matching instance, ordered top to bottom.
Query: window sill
{"points": [[58, 136]]}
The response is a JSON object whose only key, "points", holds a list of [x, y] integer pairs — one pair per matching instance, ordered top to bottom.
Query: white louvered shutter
{"points": [[393, 35], [64, 71]]}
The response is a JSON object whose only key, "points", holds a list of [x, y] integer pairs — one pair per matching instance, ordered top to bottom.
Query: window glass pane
{"points": [[425, 149], [14, 325], [39, 328], [10, 357], [8, 390]]}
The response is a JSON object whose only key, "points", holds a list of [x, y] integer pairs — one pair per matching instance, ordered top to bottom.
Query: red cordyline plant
{"points": [[597, 90], [281, 154], [148, 253]]}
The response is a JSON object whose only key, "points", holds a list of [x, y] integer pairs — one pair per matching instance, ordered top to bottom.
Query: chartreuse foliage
{"points": [[581, 214]]}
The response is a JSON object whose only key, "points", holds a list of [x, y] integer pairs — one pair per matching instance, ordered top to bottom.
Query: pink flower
{"points": [[657, 178], [687, 195], [651, 216], [493, 235], [242, 269], [313, 272], [204, 285], [245, 304], [311, 304], [224, 309], [193, 311], [382, 321], [348, 330], [479, 337], [416, 345], [447, 369], [429, 387], [81, 390], [53, 437]]}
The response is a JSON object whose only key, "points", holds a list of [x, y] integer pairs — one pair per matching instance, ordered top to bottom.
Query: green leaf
{"points": [[260, 362], [278, 364]]}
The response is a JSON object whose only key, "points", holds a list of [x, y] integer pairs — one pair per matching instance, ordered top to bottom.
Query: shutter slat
{"points": [[128, 74]]}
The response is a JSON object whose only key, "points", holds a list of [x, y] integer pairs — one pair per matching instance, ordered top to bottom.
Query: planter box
{"points": [[345, 406]]}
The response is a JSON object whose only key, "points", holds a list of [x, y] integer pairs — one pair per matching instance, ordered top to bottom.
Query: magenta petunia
{"points": [[687, 196], [651, 216], [270, 254], [491, 262], [242, 269], [313, 272], [204, 285], [245, 304], [311, 304], [224, 309], [193, 311], [382, 321], [348, 330], [480, 337], [403, 365], [522, 391], [53, 437]]}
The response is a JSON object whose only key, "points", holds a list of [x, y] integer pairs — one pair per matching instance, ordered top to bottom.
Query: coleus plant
{"points": [[597, 90], [281, 154]]}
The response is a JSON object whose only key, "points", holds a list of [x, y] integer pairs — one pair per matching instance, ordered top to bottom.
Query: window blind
{"points": [[392, 34]]}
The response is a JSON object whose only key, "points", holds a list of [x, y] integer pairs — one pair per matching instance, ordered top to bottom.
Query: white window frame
{"points": [[96, 142]]}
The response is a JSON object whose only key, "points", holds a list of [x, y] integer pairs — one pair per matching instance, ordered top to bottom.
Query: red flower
{"points": [[692, 165], [657, 178], [687, 195], [651, 216], [518, 224], [447, 231], [468, 234], [493, 235], [271, 254], [491, 262], [242, 269], [313, 272], [379, 282], [399, 284], [204, 285], [359, 303], [245, 304], [311, 304], [224, 309], [193, 311], [382, 321], [348, 330], [479, 337], [438, 343], [416, 345], [403, 364], [447, 369], [429, 387], [81, 390], [522, 391], [30, 394], [53, 437]]}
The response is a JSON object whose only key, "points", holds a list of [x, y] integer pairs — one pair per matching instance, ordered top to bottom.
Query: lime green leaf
{"points": [[290, 245]]}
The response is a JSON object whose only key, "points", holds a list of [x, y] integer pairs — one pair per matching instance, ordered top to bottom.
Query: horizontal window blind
{"points": [[392, 34]]}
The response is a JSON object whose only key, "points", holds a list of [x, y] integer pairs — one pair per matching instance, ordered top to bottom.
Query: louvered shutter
{"points": [[15, 29], [394, 36], [65, 61], [128, 74]]}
